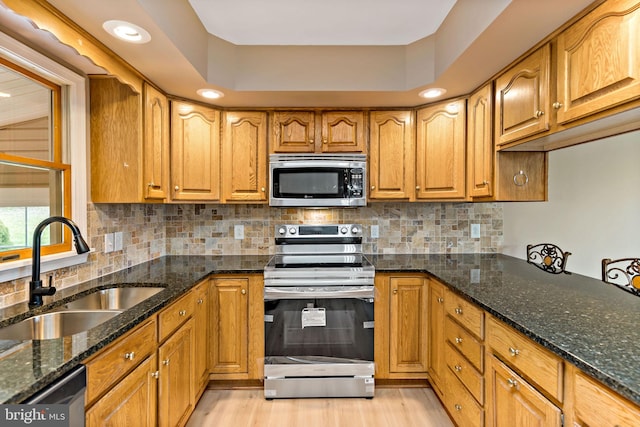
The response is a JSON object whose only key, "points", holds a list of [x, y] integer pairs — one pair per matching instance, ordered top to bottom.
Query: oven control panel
{"points": [[318, 231]]}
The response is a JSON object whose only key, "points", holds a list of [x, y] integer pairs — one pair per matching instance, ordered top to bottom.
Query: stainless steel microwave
{"points": [[318, 180]]}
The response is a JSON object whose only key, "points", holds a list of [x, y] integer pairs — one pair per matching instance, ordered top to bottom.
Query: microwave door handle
{"points": [[271, 293]]}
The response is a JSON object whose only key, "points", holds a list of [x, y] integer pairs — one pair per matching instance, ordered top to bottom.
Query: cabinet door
{"points": [[599, 60], [522, 98], [343, 131], [293, 132], [480, 143], [156, 144], [440, 151], [195, 152], [244, 156], [391, 159], [229, 325], [408, 330], [201, 337], [437, 362], [175, 398], [511, 401], [132, 402]]}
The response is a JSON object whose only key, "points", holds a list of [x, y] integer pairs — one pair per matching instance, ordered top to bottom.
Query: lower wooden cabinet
{"points": [[237, 327], [401, 335], [201, 338], [437, 362], [148, 377], [175, 388], [512, 401], [132, 402]]}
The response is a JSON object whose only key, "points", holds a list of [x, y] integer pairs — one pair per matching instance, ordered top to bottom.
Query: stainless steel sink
{"points": [[116, 298], [56, 325]]}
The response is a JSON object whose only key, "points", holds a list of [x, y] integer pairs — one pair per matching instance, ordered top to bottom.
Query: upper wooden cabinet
{"points": [[599, 60], [522, 98], [293, 132], [323, 132], [440, 151], [480, 151], [195, 152], [391, 155], [244, 156], [155, 169]]}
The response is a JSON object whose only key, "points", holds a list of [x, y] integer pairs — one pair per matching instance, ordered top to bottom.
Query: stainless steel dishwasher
{"points": [[68, 391]]}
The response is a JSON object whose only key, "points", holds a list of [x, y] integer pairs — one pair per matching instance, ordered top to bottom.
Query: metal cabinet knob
{"points": [[557, 105], [539, 114], [310, 140], [520, 179], [373, 187], [417, 187], [176, 188], [262, 189], [395, 291], [243, 292], [440, 300], [199, 301], [458, 310], [182, 312], [458, 340], [514, 351], [130, 355], [165, 362], [457, 368], [155, 374], [512, 383], [457, 407]]}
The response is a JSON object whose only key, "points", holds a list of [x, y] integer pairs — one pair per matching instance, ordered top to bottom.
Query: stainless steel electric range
{"points": [[319, 320]]}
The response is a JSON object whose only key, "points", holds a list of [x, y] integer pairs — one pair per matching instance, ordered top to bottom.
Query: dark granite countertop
{"points": [[585, 321], [591, 324]]}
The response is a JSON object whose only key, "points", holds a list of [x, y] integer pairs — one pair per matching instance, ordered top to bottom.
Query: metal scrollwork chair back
{"points": [[548, 257], [622, 272]]}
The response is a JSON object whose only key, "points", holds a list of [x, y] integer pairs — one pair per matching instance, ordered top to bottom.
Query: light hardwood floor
{"points": [[391, 407]]}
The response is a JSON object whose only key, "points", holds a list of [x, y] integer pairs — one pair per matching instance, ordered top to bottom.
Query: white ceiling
{"points": [[322, 23], [473, 40]]}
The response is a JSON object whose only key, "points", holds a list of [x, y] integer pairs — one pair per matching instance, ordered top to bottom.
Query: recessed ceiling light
{"points": [[127, 31], [433, 92], [210, 93], [5, 95]]}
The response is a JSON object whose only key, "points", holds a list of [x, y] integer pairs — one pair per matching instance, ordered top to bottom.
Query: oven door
{"points": [[319, 331]]}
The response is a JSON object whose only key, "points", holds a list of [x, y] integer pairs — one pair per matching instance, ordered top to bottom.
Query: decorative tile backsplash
{"points": [[150, 231]]}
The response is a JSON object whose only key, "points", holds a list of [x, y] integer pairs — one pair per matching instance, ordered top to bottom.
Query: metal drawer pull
{"points": [[520, 179], [440, 300], [458, 310], [182, 312], [458, 340], [514, 351], [130, 355], [457, 368], [512, 383], [457, 407]]}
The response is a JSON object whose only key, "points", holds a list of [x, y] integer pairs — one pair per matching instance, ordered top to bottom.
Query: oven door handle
{"points": [[361, 292]]}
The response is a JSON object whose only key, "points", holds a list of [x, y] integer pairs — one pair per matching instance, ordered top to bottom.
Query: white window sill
{"points": [[22, 268]]}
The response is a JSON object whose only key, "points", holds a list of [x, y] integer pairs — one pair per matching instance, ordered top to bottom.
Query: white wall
{"points": [[593, 209]]}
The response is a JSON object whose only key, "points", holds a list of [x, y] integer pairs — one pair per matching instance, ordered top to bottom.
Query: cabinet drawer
{"points": [[465, 313], [175, 315], [464, 342], [120, 358], [531, 360], [466, 373], [595, 405], [462, 407]]}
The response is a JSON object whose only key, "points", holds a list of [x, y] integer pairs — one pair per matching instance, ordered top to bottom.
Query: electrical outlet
{"points": [[375, 231], [475, 231], [238, 232], [117, 241], [108, 243]]}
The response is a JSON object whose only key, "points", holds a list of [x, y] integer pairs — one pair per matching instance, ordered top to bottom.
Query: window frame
{"points": [[73, 140]]}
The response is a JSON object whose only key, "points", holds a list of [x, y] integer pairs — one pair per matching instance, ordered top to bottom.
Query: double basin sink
{"points": [[78, 315]]}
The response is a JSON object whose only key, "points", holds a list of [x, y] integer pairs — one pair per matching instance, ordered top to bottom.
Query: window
{"points": [[39, 146], [33, 179]]}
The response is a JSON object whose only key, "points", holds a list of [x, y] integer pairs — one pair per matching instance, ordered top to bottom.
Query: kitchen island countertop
{"points": [[585, 321]]}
